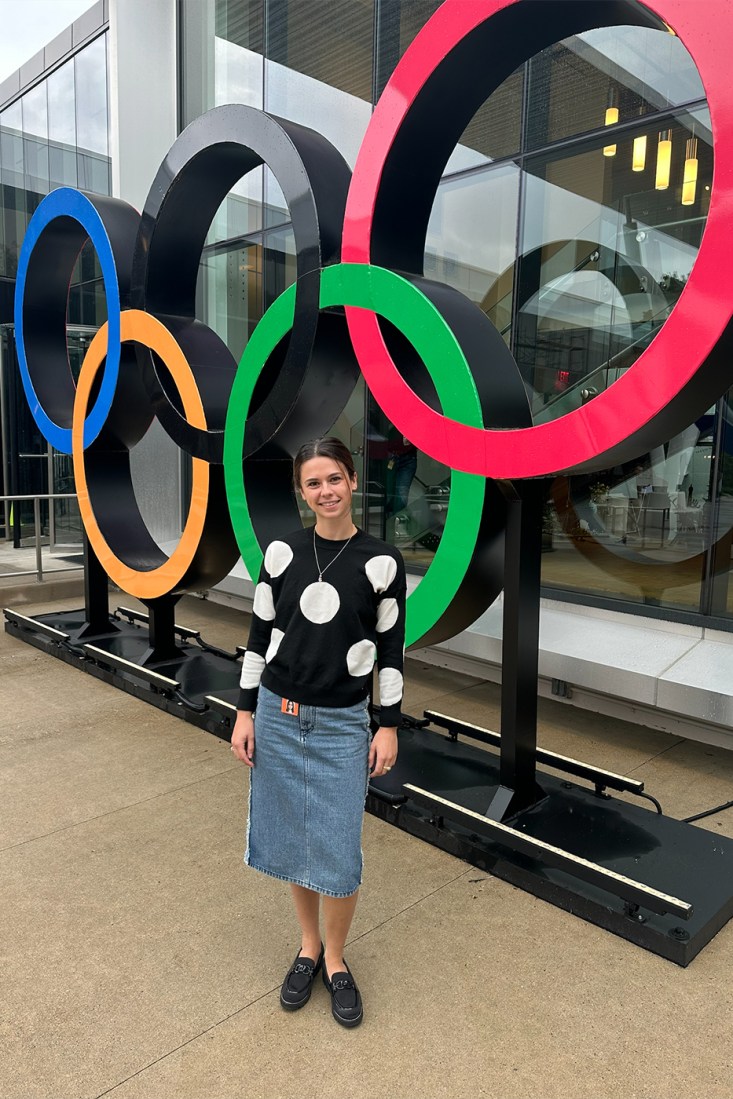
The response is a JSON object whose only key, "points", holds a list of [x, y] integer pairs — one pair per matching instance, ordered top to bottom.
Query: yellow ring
{"points": [[148, 331]]}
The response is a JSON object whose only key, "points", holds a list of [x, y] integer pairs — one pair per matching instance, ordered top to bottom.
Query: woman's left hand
{"points": [[382, 752]]}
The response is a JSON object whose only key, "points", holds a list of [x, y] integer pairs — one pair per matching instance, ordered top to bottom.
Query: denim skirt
{"points": [[307, 792]]}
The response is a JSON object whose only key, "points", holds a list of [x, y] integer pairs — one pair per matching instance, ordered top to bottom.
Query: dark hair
{"points": [[330, 447]]}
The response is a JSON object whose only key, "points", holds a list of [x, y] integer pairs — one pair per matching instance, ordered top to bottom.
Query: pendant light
{"points": [[611, 119], [638, 155], [664, 161], [689, 179]]}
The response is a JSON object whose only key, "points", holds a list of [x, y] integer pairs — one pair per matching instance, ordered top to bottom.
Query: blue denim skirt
{"points": [[306, 795]]}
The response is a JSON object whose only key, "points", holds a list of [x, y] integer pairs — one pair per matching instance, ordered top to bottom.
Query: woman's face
{"points": [[326, 488]]}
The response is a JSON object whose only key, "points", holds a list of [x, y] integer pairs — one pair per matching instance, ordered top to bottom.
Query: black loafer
{"points": [[298, 984], [346, 1005]]}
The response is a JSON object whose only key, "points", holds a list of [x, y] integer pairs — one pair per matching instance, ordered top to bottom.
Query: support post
{"points": [[37, 525], [96, 598], [162, 635], [518, 787]]}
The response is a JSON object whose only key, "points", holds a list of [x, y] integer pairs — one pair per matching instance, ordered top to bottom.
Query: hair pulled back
{"points": [[328, 447]]}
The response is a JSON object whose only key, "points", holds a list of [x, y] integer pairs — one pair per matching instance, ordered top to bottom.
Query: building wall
{"points": [[143, 126], [542, 219], [577, 254]]}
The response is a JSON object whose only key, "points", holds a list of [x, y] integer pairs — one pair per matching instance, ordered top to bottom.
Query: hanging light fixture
{"points": [[611, 119], [638, 152], [638, 155], [664, 161], [689, 179]]}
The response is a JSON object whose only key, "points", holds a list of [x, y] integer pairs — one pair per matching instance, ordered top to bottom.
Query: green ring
{"points": [[401, 303]]}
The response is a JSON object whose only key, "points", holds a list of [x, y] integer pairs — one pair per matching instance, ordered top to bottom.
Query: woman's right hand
{"points": [[243, 737]]}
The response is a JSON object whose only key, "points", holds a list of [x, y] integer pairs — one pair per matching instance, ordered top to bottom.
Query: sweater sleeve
{"points": [[260, 631], [391, 647]]}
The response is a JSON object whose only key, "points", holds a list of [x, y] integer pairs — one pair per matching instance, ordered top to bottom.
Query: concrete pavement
{"points": [[141, 960]]}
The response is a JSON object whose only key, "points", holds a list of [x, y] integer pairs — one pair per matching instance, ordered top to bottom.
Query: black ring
{"points": [[198, 172]]}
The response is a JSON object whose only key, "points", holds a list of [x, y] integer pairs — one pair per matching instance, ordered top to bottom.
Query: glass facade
{"points": [[55, 134], [571, 212]]}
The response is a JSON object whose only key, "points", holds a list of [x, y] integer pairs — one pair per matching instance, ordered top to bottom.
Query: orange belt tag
{"points": [[289, 707]]}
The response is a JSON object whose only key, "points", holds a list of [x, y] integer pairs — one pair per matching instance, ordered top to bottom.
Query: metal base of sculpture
{"points": [[649, 878]]}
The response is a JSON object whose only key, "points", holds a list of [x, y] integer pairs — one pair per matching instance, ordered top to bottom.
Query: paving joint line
{"points": [[656, 755], [111, 812], [270, 991], [193, 1038]]}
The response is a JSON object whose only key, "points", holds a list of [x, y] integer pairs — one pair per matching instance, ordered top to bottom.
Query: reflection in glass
{"points": [[221, 53], [340, 57], [90, 66], [636, 70], [323, 81], [336, 114], [62, 127], [92, 127], [494, 131], [35, 143], [11, 145], [13, 187], [471, 239], [605, 255], [229, 292], [406, 492], [721, 517], [640, 530]]}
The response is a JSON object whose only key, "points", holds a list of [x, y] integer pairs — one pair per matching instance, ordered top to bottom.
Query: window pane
{"points": [[240, 22], [397, 25], [222, 54], [341, 56], [634, 71], [321, 80], [91, 98], [62, 127], [494, 130], [35, 140], [11, 145], [471, 239], [605, 255], [229, 292], [721, 519]]}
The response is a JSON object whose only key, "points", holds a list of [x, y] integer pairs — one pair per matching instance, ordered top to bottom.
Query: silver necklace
{"points": [[328, 566]]}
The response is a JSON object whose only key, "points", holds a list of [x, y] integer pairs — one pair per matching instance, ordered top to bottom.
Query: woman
{"points": [[326, 599]]}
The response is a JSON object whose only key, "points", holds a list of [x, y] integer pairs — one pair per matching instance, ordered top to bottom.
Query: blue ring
{"points": [[67, 202]]}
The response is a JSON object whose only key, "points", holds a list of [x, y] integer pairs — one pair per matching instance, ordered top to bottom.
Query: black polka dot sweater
{"points": [[316, 642]]}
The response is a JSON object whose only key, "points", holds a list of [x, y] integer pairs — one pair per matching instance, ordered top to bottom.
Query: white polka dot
{"points": [[278, 556], [381, 571], [320, 602], [263, 605], [387, 613], [275, 639], [360, 658], [252, 667], [390, 686]]}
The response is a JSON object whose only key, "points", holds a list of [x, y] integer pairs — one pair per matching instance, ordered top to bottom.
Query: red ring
{"points": [[586, 438]]}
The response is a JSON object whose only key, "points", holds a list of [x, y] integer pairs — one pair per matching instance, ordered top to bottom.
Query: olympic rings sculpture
{"points": [[360, 302]]}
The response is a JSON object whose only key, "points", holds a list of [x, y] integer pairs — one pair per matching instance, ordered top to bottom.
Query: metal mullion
{"points": [[623, 129], [707, 587]]}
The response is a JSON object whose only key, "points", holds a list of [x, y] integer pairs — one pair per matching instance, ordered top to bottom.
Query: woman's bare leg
{"points": [[307, 908], [338, 913]]}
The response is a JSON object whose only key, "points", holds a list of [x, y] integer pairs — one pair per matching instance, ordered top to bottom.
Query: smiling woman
{"points": [[303, 702]]}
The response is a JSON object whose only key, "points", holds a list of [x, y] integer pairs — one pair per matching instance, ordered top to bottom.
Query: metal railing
{"points": [[38, 571]]}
